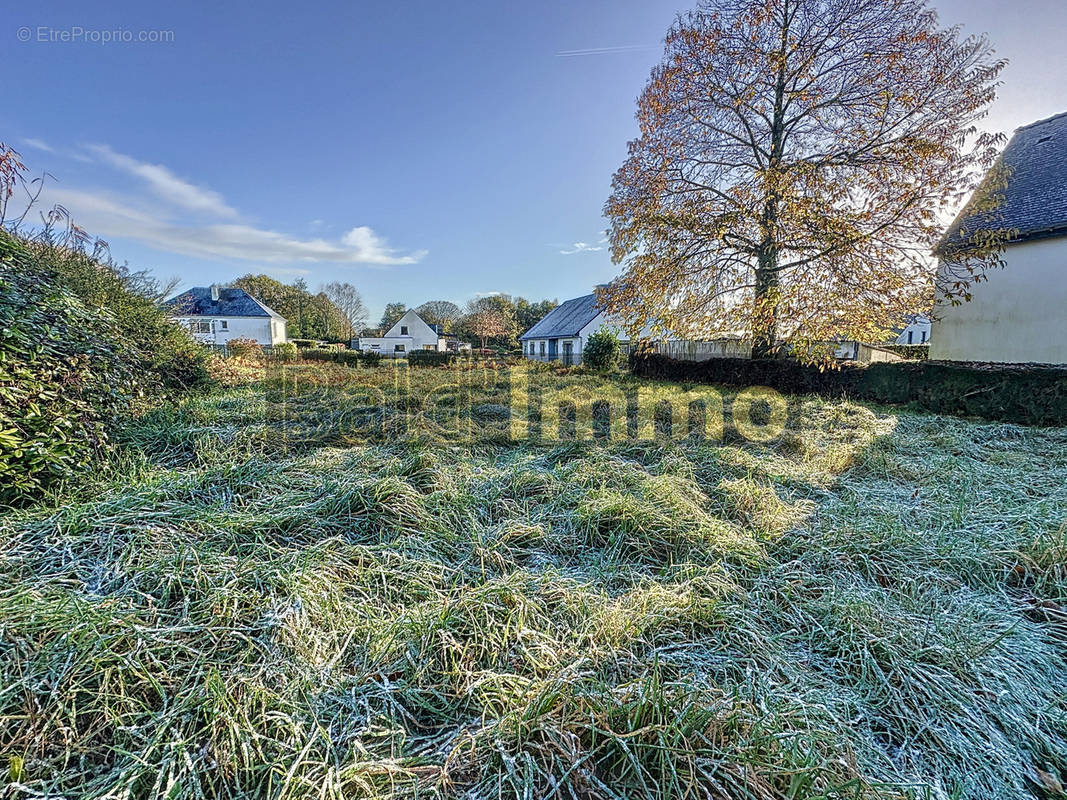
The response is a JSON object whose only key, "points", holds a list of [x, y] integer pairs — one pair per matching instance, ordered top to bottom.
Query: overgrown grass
{"points": [[869, 607]]}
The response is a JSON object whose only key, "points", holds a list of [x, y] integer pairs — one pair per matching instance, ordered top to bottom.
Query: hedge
{"points": [[912, 352], [349, 358], [433, 358], [64, 381], [1024, 394]]}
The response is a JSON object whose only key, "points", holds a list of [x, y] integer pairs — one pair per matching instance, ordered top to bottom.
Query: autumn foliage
{"points": [[796, 163]]}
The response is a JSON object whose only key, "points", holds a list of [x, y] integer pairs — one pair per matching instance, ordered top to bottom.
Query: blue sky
{"points": [[419, 150]]}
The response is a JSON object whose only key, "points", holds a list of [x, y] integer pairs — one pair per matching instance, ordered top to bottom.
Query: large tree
{"points": [[796, 162], [348, 300], [393, 312], [440, 312], [528, 314], [309, 316], [491, 317]]}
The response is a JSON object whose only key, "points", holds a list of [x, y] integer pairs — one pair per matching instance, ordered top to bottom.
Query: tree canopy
{"points": [[796, 162], [393, 312], [440, 312], [309, 316]]}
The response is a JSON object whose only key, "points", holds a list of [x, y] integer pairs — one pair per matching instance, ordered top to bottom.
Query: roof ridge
{"points": [[1053, 118]]}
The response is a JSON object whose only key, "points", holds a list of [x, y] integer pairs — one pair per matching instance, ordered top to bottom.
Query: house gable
{"points": [[411, 324]]}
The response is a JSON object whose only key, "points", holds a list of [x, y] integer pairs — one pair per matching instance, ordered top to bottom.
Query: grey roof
{"points": [[1034, 203], [232, 302], [566, 319]]}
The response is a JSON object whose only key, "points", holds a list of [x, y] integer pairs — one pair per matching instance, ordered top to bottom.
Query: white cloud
{"points": [[38, 144], [166, 184], [103, 215], [196, 221], [581, 247], [372, 249]]}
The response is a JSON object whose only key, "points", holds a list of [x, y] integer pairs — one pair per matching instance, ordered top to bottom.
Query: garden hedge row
{"points": [[912, 352], [349, 358], [434, 358], [1024, 394]]}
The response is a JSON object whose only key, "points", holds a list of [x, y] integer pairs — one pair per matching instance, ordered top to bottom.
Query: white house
{"points": [[1019, 314], [215, 315], [915, 330], [410, 332], [562, 333]]}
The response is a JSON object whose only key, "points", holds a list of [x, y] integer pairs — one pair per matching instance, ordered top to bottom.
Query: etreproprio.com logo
{"points": [[515, 404]]}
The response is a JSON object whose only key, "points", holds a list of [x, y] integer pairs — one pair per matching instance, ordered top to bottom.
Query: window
{"points": [[223, 324], [200, 326], [403, 330], [911, 335], [924, 337], [429, 347], [398, 348], [542, 348]]}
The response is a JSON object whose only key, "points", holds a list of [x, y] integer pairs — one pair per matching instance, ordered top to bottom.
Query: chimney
{"points": [[214, 293]]}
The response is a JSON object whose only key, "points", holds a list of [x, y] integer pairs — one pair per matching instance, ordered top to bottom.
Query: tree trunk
{"points": [[765, 325], [765, 329]]}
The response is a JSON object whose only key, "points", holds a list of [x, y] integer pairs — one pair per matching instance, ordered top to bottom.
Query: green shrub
{"points": [[147, 337], [304, 343], [245, 348], [286, 351], [602, 351], [912, 352], [316, 354], [350, 358], [432, 358], [64, 381], [1023, 394]]}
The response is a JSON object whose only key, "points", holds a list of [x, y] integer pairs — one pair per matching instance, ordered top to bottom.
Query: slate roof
{"points": [[1035, 199], [197, 302], [566, 319]]}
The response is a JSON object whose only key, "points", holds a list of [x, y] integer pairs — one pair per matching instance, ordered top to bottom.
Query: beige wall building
{"points": [[1019, 314]]}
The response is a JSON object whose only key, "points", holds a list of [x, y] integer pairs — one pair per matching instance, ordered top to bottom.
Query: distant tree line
{"points": [[337, 313], [496, 320]]}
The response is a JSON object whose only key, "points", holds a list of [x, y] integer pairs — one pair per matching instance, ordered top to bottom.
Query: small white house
{"points": [[1019, 314], [215, 315], [914, 330], [410, 332], [562, 333]]}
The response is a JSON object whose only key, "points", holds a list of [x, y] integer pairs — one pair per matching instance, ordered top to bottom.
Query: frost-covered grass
{"points": [[870, 606]]}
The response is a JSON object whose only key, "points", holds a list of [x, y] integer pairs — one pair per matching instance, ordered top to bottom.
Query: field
{"points": [[869, 606]]}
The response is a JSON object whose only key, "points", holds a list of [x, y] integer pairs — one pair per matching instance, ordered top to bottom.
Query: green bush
{"points": [[147, 337], [304, 343], [245, 348], [286, 351], [602, 351], [912, 352], [350, 358], [432, 358], [64, 381], [1021, 394]]}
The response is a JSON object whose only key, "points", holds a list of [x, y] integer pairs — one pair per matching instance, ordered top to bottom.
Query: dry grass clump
{"points": [[866, 608]]}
